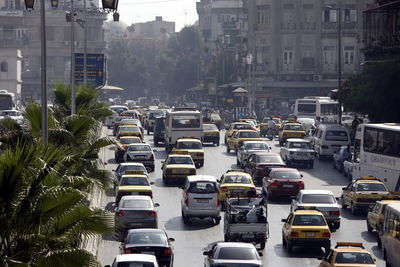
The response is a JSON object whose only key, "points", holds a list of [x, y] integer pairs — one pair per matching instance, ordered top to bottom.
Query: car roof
{"points": [[293, 123], [246, 130], [130, 137], [188, 139], [298, 140], [254, 142], [139, 144], [262, 152], [179, 155], [132, 164], [284, 169], [233, 173], [134, 175], [194, 178], [315, 191], [137, 197], [388, 201], [305, 212], [144, 230], [235, 245], [350, 249], [135, 257]]}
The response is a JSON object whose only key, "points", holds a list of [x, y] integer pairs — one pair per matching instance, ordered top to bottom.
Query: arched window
{"points": [[3, 66]]}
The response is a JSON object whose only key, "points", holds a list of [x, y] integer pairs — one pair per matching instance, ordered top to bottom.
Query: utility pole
{"points": [[84, 44], [340, 64], [72, 74], [44, 118]]}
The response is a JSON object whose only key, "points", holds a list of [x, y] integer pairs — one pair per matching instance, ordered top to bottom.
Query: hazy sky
{"points": [[183, 12]]}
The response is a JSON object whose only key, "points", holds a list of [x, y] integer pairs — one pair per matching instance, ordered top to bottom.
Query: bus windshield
{"points": [[6, 102], [307, 108], [186, 121]]}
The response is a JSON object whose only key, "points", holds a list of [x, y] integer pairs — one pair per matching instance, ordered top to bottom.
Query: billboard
{"points": [[94, 67]]}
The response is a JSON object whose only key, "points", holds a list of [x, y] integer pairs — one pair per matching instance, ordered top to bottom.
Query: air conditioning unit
{"points": [[317, 78]]}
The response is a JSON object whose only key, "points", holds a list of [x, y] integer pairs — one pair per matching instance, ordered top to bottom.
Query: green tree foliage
{"points": [[375, 91]]}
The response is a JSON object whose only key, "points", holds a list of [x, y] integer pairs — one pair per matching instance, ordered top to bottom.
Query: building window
{"points": [[329, 15], [350, 15], [263, 16], [224, 18], [329, 55], [349, 55], [288, 56], [307, 59], [3, 66]]}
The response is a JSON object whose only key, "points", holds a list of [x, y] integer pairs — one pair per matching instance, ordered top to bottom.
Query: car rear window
{"points": [[242, 126], [210, 127], [129, 128], [293, 128], [248, 135], [336, 136], [130, 140], [189, 145], [302, 145], [257, 146], [139, 148], [269, 159], [180, 160], [132, 168], [286, 175], [237, 179], [135, 181], [203, 187], [370, 187], [318, 198], [135, 203], [309, 220], [142, 238], [237, 253], [354, 258], [135, 264]]}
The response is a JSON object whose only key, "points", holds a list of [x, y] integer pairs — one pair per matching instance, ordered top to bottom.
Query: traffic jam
{"points": [[271, 158]]}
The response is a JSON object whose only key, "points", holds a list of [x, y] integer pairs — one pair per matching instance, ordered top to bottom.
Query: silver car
{"points": [[248, 148], [298, 151], [142, 153], [322, 200], [136, 212], [232, 254], [134, 260]]}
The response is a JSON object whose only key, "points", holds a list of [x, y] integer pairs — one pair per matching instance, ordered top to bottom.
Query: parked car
{"points": [[249, 147], [298, 151], [142, 153], [260, 164], [282, 182], [200, 198], [322, 200], [136, 212], [149, 241], [232, 254], [127, 260]]}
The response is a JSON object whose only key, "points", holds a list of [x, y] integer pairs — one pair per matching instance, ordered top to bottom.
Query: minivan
{"points": [[329, 138], [200, 198]]}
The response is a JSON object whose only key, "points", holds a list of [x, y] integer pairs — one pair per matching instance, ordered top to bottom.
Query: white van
{"points": [[328, 139], [200, 198]]}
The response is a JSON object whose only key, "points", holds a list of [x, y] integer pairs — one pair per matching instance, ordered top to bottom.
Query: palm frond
{"points": [[73, 257]]}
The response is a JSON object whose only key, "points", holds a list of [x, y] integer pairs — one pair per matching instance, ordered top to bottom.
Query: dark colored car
{"points": [[159, 130], [260, 164], [282, 182], [149, 241]]}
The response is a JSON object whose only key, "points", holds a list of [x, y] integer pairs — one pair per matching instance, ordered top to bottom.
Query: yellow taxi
{"points": [[236, 126], [129, 130], [291, 130], [211, 134], [237, 139], [122, 145], [192, 147], [177, 167], [235, 183], [133, 184], [362, 193], [376, 214], [306, 227], [347, 254]]}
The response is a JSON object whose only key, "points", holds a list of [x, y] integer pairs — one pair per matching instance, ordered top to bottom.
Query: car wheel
{"points": [[148, 131], [225, 141], [156, 142], [217, 143], [280, 143], [227, 149], [237, 162], [165, 180], [344, 206], [185, 219], [217, 221], [369, 227], [226, 238], [379, 242], [262, 245], [289, 246], [327, 248]]}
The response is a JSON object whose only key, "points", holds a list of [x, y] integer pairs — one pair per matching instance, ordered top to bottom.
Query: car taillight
{"points": [[259, 167], [193, 171], [274, 183], [301, 185], [224, 189], [186, 199], [335, 212], [120, 213], [152, 213], [294, 234], [326, 234], [127, 251], [167, 252]]}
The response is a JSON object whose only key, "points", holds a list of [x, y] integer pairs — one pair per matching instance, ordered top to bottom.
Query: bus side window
{"points": [[357, 144]]}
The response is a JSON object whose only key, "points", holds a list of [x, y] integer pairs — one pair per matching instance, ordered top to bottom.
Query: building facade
{"points": [[20, 29], [156, 29], [10, 70]]}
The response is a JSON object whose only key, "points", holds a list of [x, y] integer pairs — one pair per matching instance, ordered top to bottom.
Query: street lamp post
{"points": [[249, 59], [72, 74]]}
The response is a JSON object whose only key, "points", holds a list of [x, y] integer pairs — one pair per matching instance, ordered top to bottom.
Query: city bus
{"points": [[7, 100], [317, 106], [182, 122], [377, 153], [389, 237]]}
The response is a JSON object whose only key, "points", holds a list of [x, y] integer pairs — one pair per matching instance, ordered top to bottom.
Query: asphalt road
{"points": [[191, 240]]}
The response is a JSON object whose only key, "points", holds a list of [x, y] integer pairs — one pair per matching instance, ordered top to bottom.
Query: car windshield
{"points": [[155, 114], [125, 121], [186, 121], [242, 126], [210, 127], [294, 127], [129, 129], [248, 135], [336, 136], [132, 140], [188, 145], [302, 145], [256, 146], [139, 148], [269, 159], [180, 160], [286, 175], [237, 179], [134, 181], [203, 187], [370, 187], [318, 198], [135, 203], [317, 220], [142, 238], [237, 253], [354, 258], [135, 264]]}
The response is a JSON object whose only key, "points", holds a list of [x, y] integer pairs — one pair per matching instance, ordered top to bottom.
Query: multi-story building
{"points": [[20, 29], [156, 29], [382, 31], [295, 47], [10, 70]]}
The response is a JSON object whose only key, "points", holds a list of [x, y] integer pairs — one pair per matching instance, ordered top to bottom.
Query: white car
{"points": [[12, 114], [248, 148], [298, 151], [142, 153], [348, 169], [322, 200], [134, 260]]}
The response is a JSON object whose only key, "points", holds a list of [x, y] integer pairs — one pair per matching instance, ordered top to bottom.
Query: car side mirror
{"points": [[162, 162], [114, 170], [301, 175], [151, 183], [344, 188], [156, 205], [284, 220], [171, 239], [205, 253], [260, 254], [320, 258], [374, 259]]}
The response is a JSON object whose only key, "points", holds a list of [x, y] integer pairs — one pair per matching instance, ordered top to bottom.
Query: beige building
{"points": [[157, 29], [10, 70]]}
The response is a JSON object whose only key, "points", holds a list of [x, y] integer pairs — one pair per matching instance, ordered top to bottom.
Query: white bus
{"points": [[7, 100], [317, 106], [180, 123], [377, 153], [389, 237]]}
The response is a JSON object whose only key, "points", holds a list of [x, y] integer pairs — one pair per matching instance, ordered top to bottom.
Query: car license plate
{"points": [[302, 154], [140, 157], [288, 186], [237, 190], [134, 193], [202, 200], [310, 234], [148, 252]]}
